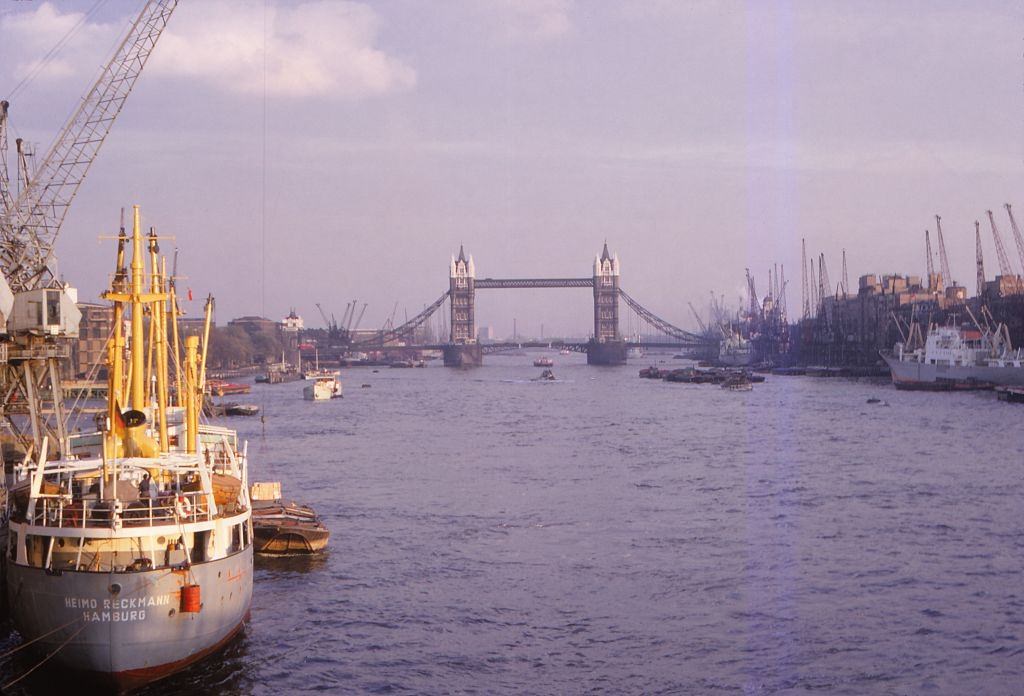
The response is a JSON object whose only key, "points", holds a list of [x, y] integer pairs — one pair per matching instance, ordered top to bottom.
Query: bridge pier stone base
{"points": [[607, 353], [463, 355]]}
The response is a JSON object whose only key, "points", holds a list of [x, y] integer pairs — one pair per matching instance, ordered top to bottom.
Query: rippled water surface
{"points": [[603, 533]]}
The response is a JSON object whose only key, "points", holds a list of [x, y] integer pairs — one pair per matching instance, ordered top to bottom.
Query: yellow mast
{"points": [[157, 341], [206, 343], [176, 346], [161, 360], [115, 369], [138, 386], [192, 393], [139, 443]]}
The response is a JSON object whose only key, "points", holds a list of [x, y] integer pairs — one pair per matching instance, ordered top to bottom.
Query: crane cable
{"points": [[52, 53]]}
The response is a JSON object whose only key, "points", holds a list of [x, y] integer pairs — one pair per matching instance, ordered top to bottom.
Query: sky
{"points": [[303, 152]]}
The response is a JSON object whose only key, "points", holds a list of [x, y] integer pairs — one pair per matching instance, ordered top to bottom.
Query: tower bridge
{"points": [[607, 347]]}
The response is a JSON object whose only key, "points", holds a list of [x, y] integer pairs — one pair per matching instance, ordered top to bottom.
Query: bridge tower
{"points": [[607, 346], [462, 349]]}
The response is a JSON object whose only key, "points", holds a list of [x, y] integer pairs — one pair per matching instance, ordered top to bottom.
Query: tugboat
{"points": [[131, 547]]}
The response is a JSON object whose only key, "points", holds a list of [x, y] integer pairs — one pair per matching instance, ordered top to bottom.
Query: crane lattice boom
{"points": [[29, 229], [1016, 234], [1005, 268], [947, 279]]}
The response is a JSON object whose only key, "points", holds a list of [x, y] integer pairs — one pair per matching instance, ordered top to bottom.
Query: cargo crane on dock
{"points": [[1016, 234], [979, 261], [930, 262], [1005, 269], [1009, 283], [952, 291], [38, 312]]}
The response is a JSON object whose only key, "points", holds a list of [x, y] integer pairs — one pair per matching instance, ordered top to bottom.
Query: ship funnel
{"points": [[137, 442]]}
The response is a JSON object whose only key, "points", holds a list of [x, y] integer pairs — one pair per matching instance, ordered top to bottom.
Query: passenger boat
{"points": [[954, 358], [544, 361], [322, 389], [284, 528], [130, 551]]}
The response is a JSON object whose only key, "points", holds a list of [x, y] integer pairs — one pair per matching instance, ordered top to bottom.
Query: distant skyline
{"points": [[698, 138]]}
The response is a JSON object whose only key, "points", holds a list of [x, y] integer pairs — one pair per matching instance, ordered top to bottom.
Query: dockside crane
{"points": [[6, 197], [1016, 234], [979, 261], [930, 262], [1005, 269], [846, 277], [947, 277], [824, 286], [805, 289], [782, 290], [751, 296], [813, 312], [38, 313], [700, 322], [355, 326]]}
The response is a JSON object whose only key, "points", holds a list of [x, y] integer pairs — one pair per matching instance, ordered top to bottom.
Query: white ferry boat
{"points": [[955, 358], [322, 389], [130, 553]]}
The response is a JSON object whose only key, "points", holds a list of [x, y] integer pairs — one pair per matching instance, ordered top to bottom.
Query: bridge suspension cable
{"points": [[661, 325], [382, 337]]}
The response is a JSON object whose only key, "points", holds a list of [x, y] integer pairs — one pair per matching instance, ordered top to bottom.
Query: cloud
{"points": [[31, 35], [312, 49]]}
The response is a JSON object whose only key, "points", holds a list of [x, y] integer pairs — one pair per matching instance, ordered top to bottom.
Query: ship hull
{"points": [[734, 358], [908, 374], [277, 540], [127, 629]]}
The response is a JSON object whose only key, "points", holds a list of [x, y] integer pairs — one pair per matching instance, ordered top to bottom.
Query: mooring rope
{"points": [[39, 664]]}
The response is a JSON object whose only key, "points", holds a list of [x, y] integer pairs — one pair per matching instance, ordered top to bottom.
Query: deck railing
{"points": [[181, 508]]}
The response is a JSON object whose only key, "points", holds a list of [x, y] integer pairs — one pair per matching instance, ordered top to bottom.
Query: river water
{"points": [[604, 533]]}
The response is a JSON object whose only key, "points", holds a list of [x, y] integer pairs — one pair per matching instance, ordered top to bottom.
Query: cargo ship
{"points": [[953, 358], [131, 550]]}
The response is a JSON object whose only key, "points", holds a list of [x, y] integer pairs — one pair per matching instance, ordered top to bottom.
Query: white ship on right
{"points": [[955, 358]]}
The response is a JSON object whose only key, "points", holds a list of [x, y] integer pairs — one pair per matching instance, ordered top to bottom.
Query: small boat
{"points": [[565, 351], [544, 361], [402, 363], [546, 376], [738, 383], [217, 387], [322, 389], [1013, 395], [241, 409], [284, 527]]}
